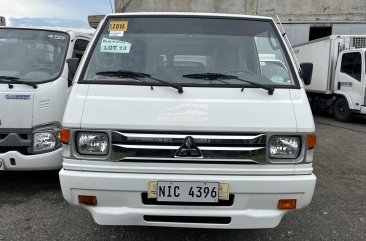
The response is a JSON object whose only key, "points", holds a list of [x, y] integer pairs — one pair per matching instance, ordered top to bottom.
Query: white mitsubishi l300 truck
{"points": [[176, 119]]}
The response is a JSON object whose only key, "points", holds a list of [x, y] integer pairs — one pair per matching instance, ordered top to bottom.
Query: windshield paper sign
{"points": [[117, 28], [114, 46]]}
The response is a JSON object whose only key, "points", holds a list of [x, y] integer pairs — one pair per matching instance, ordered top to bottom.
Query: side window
{"points": [[79, 48], [351, 65]]}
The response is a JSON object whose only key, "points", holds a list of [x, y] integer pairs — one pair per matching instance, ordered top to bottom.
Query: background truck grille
{"points": [[358, 42], [20, 142], [215, 148]]}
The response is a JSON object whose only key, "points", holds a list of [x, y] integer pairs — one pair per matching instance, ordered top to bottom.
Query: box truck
{"points": [[36, 67], [338, 82], [188, 120]]}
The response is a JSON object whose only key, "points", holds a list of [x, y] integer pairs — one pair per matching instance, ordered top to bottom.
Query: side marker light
{"points": [[88, 200], [286, 204]]}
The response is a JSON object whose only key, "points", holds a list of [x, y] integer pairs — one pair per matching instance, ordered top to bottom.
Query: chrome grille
{"points": [[218, 149]]}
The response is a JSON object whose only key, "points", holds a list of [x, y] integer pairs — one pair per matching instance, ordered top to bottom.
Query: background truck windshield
{"points": [[170, 47], [32, 55]]}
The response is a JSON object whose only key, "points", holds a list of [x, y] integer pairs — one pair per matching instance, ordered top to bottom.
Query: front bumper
{"points": [[45, 161], [119, 200]]}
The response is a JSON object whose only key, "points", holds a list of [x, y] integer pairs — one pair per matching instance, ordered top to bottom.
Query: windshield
{"points": [[170, 47], [32, 55]]}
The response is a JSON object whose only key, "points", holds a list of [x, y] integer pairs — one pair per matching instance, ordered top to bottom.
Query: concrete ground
{"points": [[32, 206]]}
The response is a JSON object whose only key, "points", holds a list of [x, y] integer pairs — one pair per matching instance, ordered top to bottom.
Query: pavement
{"points": [[32, 206]]}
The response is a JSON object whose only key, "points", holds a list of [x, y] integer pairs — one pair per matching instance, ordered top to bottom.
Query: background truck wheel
{"points": [[342, 111]]}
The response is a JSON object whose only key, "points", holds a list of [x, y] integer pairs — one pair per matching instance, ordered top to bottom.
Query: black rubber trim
{"points": [[231, 86], [16, 130], [142, 131], [14, 139], [22, 150], [206, 161], [221, 203], [187, 219]]}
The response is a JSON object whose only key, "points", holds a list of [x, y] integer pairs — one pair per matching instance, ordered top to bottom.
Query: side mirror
{"points": [[73, 64], [306, 72]]}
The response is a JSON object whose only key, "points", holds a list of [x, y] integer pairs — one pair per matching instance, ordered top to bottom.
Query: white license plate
{"points": [[2, 168], [187, 191]]}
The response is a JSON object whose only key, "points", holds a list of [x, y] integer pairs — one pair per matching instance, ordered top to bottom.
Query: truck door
{"points": [[350, 78]]}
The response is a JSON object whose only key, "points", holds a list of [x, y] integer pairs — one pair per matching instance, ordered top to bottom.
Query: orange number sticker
{"points": [[118, 26]]}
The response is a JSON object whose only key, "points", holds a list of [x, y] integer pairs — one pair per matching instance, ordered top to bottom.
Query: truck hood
{"points": [[26, 107], [197, 109]]}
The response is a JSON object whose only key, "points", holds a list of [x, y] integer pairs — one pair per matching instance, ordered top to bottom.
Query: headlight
{"points": [[44, 141], [92, 143], [283, 147]]}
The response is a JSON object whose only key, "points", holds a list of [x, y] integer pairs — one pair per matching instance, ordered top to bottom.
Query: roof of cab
{"points": [[194, 14], [67, 30]]}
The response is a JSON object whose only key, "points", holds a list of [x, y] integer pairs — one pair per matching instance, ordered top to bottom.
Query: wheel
{"points": [[342, 111]]}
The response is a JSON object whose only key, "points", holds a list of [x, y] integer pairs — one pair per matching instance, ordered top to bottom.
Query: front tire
{"points": [[341, 110]]}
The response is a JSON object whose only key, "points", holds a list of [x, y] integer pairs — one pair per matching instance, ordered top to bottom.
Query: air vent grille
{"points": [[358, 42]]}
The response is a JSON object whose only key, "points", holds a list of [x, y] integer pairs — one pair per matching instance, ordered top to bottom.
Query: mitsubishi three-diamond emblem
{"points": [[188, 149]]}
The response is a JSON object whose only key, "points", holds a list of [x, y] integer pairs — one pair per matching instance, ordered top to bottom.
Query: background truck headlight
{"points": [[44, 141], [92, 143], [283, 147]]}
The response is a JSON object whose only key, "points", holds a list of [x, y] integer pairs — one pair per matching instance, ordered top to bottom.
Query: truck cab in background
{"points": [[35, 81], [338, 82]]}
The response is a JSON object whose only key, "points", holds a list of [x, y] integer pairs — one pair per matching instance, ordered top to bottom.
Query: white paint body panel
{"points": [[318, 54], [45, 104], [197, 109], [22, 117], [45, 161], [119, 198]]}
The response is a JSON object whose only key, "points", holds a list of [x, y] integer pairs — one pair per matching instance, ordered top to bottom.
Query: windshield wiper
{"points": [[137, 75], [218, 76], [8, 77], [16, 80]]}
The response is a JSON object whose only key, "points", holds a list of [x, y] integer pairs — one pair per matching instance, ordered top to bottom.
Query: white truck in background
{"points": [[36, 71], [338, 82]]}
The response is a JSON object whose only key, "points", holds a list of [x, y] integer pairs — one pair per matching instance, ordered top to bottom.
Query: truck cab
{"points": [[338, 76], [35, 82], [350, 83], [178, 120]]}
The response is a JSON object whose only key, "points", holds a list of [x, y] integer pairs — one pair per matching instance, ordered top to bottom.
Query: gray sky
{"points": [[52, 12]]}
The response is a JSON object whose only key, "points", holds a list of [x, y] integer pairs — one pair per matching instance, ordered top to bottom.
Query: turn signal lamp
{"points": [[65, 136], [311, 143], [88, 200], [286, 204]]}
